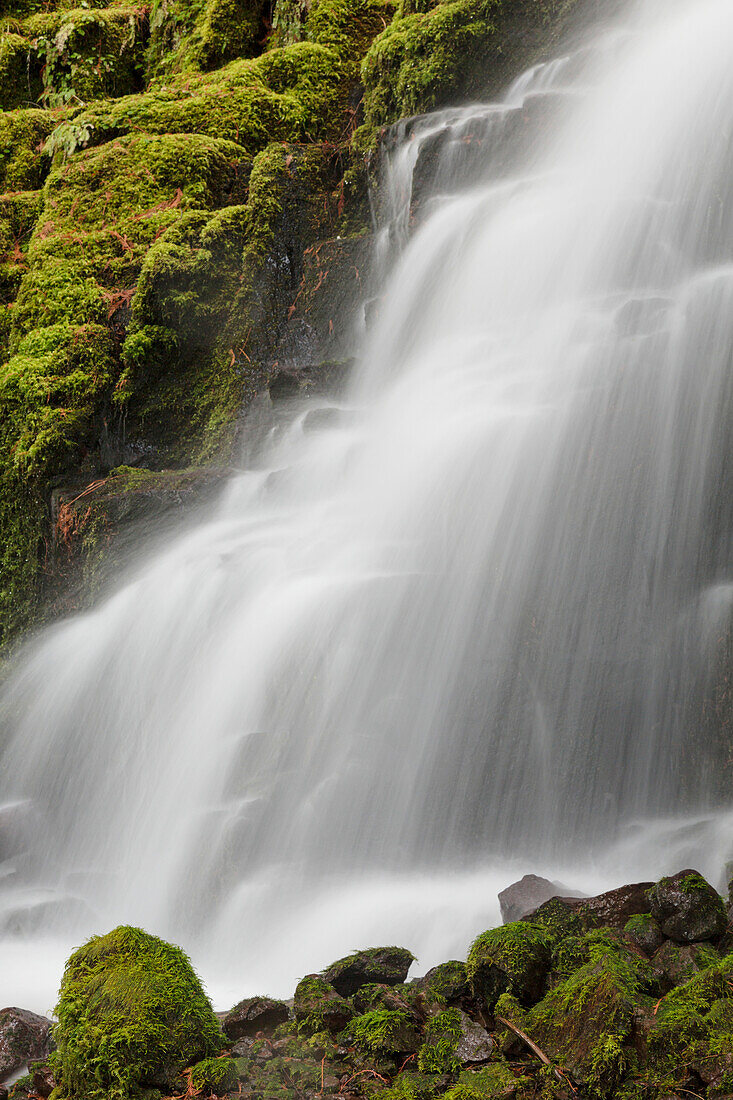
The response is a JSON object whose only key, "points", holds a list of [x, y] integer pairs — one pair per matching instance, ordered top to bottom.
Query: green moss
{"points": [[202, 34], [454, 50], [86, 53], [20, 84], [295, 94], [22, 134], [513, 958], [318, 1007], [131, 1014], [695, 1019], [585, 1021], [382, 1032], [442, 1036], [214, 1076], [490, 1083], [413, 1086]]}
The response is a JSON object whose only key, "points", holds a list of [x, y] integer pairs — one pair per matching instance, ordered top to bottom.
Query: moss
{"points": [[348, 26], [202, 34], [452, 51], [86, 53], [20, 83], [295, 94], [22, 134], [513, 958], [388, 965], [448, 981], [318, 1007], [131, 1014], [694, 1020], [585, 1022], [383, 1032], [442, 1036], [214, 1076], [489, 1083], [413, 1086]]}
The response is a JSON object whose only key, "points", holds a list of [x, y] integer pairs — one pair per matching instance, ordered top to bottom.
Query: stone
{"points": [[524, 896], [687, 908], [613, 909], [644, 933], [515, 958], [676, 963], [382, 965], [449, 981], [318, 1007], [254, 1015], [24, 1037], [476, 1045], [44, 1082]]}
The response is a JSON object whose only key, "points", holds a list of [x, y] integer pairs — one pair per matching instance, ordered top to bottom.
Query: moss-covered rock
{"points": [[203, 34], [454, 50], [23, 165], [687, 908], [644, 932], [514, 958], [385, 965], [318, 1007], [131, 1015], [585, 1022], [384, 1032], [453, 1040], [213, 1076]]}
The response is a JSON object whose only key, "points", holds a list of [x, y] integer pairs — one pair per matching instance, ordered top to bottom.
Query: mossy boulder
{"points": [[454, 50], [687, 908], [644, 932], [515, 958], [676, 963], [385, 965], [449, 982], [318, 1007], [131, 1015], [254, 1015], [585, 1022], [384, 1032], [453, 1040], [213, 1076], [496, 1082]]}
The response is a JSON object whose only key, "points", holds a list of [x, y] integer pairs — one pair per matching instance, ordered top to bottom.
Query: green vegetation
{"points": [[514, 958], [131, 1015]]}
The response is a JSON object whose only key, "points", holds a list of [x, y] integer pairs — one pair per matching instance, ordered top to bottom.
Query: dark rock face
{"points": [[525, 896], [614, 908], [687, 908], [515, 958], [383, 965], [676, 965], [253, 1015], [24, 1037]]}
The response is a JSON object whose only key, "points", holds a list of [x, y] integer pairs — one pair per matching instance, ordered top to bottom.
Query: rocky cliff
{"points": [[184, 224]]}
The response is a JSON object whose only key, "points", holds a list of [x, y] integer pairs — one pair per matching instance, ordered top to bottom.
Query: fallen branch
{"points": [[560, 1074]]}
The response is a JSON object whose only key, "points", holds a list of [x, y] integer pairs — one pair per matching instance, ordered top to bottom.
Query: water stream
{"points": [[471, 622]]}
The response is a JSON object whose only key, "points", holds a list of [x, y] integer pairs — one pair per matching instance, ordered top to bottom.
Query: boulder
{"points": [[527, 894], [687, 908], [612, 909], [644, 933], [515, 958], [676, 964], [383, 965], [448, 980], [318, 1007], [131, 1015], [254, 1015], [383, 1032], [24, 1037], [454, 1040], [44, 1082]]}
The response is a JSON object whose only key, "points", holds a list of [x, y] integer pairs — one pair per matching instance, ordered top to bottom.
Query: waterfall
{"points": [[471, 624]]}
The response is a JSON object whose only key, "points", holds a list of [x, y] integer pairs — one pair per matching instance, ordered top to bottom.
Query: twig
{"points": [[560, 1074]]}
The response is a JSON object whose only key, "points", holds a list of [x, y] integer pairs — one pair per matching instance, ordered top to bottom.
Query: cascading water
{"points": [[475, 625]]}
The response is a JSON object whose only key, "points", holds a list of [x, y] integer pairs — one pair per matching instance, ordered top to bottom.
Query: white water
{"points": [[470, 630]]}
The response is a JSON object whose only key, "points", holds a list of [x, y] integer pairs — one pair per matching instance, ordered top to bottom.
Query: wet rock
{"points": [[527, 894], [687, 908], [613, 909], [644, 932], [382, 965], [374, 996], [318, 1007], [253, 1015], [24, 1037], [475, 1045], [44, 1081], [3, 1093]]}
